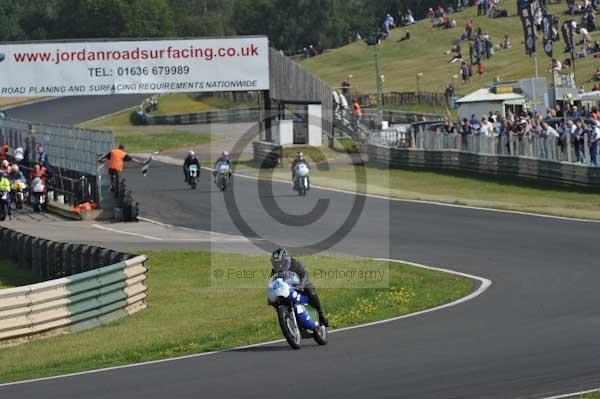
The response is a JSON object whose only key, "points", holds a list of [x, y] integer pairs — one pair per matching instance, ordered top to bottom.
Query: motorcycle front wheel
{"points": [[288, 327], [320, 335]]}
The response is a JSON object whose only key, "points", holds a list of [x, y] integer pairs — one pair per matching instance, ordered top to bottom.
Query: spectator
{"points": [[388, 25], [469, 28], [405, 37], [555, 65], [480, 69], [465, 73], [346, 86], [344, 106], [357, 113], [474, 125], [447, 126], [486, 128], [578, 140], [595, 143], [4, 153], [19, 155], [42, 156]]}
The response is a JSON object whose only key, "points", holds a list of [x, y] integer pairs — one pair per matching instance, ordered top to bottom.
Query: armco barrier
{"points": [[225, 116], [265, 153], [553, 172], [100, 285]]}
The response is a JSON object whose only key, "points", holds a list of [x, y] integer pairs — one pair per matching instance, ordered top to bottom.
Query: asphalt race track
{"points": [[74, 110], [533, 333]]}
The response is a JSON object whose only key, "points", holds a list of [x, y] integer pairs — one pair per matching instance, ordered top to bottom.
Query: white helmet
{"points": [[191, 153], [225, 153]]}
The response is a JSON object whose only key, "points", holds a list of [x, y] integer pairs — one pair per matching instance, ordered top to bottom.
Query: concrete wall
{"points": [[558, 173]]}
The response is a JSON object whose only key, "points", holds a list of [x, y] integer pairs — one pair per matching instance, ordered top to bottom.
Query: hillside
{"points": [[425, 53]]}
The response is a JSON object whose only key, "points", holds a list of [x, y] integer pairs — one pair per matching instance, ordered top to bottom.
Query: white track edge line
{"points": [[127, 233], [229, 236], [485, 284], [574, 394]]}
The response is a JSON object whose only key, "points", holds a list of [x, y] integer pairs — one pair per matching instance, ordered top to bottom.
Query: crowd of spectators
{"points": [[574, 130]]}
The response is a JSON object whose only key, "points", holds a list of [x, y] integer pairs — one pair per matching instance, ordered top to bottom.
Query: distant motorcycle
{"points": [[223, 175], [193, 176], [302, 178], [38, 195], [295, 318]]}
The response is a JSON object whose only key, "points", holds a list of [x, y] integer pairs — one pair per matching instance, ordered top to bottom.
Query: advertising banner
{"points": [[526, 12], [548, 37], [128, 67]]}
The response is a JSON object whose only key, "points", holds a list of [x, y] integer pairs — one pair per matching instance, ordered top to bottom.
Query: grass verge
{"points": [[185, 103], [149, 141], [458, 189], [12, 276], [187, 315]]}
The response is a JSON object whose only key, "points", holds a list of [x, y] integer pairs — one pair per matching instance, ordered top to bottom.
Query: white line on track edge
{"points": [[97, 226], [485, 284], [572, 395]]}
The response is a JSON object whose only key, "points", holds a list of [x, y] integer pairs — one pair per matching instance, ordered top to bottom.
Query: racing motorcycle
{"points": [[193, 173], [223, 175], [302, 178], [38, 195], [296, 319]]}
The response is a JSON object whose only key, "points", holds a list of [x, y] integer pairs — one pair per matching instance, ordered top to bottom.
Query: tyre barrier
{"points": [[225, 116], [97, 286]]}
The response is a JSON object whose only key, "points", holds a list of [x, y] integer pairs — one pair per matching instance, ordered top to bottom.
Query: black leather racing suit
{"points": [[189, 160], [305, 285]]}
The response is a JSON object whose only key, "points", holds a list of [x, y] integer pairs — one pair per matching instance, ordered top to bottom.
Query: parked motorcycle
{"points": [[193, 176], [223, 176], [302, 178], [18, 194], [38, 195], [4, 204], [296, 319]]}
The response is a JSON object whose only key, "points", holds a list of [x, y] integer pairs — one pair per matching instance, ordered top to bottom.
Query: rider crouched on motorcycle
{"points": [[224, 158], [191, 159], [299, 159], [282, 263]]}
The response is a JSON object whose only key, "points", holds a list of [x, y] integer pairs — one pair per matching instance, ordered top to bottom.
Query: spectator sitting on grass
{"points": [[405, 37], [555, 65]]}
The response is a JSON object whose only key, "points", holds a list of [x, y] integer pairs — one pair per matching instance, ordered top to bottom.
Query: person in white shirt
{"points": [[486, 128], [549, 131], [595, 143]]}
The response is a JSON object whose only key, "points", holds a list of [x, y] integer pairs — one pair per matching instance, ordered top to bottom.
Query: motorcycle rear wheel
{"points": [[290, 331]]}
